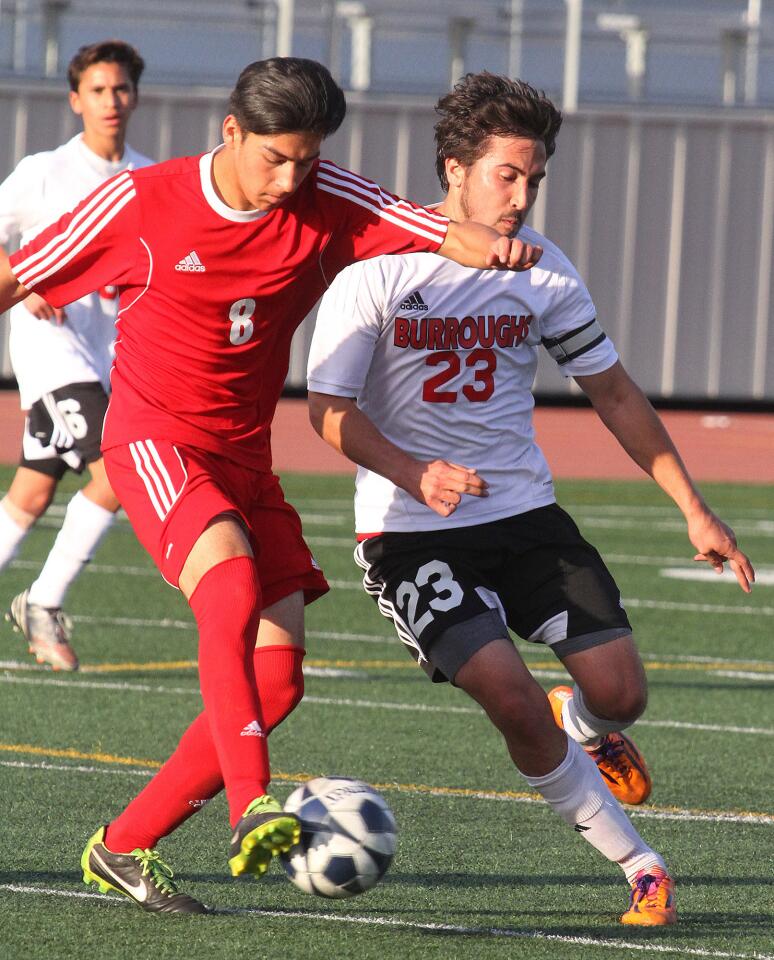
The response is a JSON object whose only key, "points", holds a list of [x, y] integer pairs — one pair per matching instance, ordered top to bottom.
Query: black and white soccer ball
{"points": [[348, 837]]}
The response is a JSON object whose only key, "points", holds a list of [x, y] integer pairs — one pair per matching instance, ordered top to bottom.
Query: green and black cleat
{"points": [[263, 831], [141, 875]]}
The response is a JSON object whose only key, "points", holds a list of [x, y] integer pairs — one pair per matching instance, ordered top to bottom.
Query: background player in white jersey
{"points": [[62, 357], [419, 366]]}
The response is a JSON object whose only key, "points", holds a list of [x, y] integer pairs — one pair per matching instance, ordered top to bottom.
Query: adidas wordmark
{"points": [[190, 264]]}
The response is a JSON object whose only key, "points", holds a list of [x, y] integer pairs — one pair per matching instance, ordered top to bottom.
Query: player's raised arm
{"points": [[475, 245], [627, 413], [439, 484]]}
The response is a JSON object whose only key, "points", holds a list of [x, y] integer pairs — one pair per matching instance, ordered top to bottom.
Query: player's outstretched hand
{"points": [[510, 253], [39, 308], [442, 486], [716, 543]]}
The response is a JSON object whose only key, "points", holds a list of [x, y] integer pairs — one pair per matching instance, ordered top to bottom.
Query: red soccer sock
{"points": [[227, 607], [280, 678], [192, 774], [187, 780]]}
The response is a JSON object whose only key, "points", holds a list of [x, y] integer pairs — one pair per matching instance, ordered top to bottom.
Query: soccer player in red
{"points": [[217, 259]]}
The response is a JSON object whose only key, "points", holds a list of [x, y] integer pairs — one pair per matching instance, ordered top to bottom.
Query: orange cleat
{"points": [[621, 764], [652, 900]]}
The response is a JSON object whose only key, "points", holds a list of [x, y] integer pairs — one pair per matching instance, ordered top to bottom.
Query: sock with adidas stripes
{"points": [[85, 524], [577, 793]]}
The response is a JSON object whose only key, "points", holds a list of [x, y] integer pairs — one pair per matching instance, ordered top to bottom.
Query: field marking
{"points": [[763, 578], [734, 668], [748, 670], [368, 704], [419, 789], [508, 933]]}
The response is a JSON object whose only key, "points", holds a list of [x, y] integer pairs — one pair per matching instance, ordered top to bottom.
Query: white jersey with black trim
{"points": [[44, 355], [442, 359]]}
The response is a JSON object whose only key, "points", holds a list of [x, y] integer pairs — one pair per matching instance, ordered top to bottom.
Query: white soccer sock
{"points": [[85, 524], [11, 535], [581, 724], [577, 792]]}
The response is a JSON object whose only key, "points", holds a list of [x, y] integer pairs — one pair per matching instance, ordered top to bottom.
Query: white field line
{"points": [[754, 528], [763, 578], [746, 610], [525, 650], [358, 703], [405, 789], [504, 933]]}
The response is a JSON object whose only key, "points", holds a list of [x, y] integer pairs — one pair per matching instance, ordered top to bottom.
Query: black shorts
{"points": [[64, 429], [451, 592]]}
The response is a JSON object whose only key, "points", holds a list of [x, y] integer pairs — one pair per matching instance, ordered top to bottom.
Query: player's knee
{"points": [[227, 598], [621, 701], [631, 705]]}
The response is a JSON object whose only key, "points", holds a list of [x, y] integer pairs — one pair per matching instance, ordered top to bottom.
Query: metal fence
{"points": [[669, 216]]}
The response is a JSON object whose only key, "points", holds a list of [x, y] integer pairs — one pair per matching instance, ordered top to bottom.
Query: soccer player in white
{"points": [[62, 357], [421, 372]]}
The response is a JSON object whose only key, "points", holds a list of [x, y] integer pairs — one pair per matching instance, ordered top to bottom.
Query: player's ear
{"points": [[75, 102], [232, 132], [455, 172]]}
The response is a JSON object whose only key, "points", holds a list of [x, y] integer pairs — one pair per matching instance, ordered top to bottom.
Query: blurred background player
{"points": [[218, 258], [61, 356], [419, 366]]}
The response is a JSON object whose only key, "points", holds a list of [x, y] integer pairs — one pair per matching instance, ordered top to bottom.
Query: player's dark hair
{"points": [[106, 51], [287, 95], [484, 105]]}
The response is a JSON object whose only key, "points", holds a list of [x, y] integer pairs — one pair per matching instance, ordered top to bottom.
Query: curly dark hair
{"points": [[106, 51], [287, 95], [484, 105]]}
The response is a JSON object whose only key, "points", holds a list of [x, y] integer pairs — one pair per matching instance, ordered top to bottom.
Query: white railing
{"points": [[669, 216]]}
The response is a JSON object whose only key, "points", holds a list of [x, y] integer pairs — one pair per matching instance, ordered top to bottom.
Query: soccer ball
{"points": [[348, 837]]}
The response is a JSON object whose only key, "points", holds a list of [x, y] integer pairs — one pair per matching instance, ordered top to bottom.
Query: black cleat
{"points": [[263, 831], [140, 875]]}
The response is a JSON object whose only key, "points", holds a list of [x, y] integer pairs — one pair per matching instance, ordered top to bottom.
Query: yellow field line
{"points": [[408, 664], [129, 667], [420, 788]]}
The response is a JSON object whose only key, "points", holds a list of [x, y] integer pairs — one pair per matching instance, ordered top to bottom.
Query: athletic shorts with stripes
{"points": [[63, 429], [171, 492], [451, 592]]}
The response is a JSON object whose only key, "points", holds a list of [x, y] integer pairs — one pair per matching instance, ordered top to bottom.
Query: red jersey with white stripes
{"points": [[210, 296]]}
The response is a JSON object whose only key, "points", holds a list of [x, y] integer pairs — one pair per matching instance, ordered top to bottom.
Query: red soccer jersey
{"points": [[210, 296]]}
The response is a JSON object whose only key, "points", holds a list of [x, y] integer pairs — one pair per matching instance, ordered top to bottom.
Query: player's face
{"points": [[105, 99], [267, 168], [500, 188]]}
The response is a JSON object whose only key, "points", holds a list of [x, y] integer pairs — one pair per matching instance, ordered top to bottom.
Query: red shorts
{"points": [[171, 492]]}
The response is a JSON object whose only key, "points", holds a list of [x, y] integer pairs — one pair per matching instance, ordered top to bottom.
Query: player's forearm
{"points": [[468, 243], [11, 291], [628, 414], [340, 422]]}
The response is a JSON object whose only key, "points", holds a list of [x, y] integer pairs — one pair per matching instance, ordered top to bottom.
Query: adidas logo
{"points": [[190, 264], [414, 302], [253, 729]]}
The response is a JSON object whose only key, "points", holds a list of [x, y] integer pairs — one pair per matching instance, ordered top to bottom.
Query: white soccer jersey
{"points": [[43, 186], [442, 359]]}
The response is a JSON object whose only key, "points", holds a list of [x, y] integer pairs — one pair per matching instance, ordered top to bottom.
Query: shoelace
{"points": [[64, 625], [611, 751], [161, 873], [647, 888]]}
